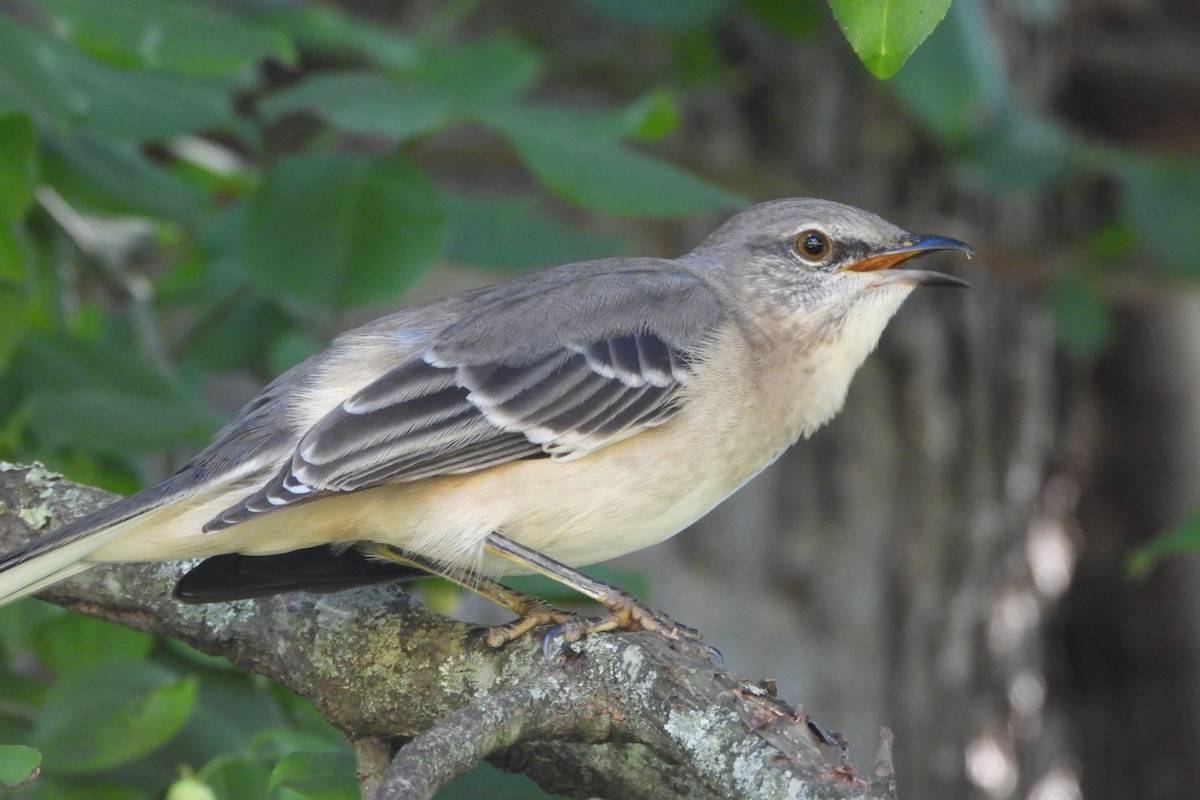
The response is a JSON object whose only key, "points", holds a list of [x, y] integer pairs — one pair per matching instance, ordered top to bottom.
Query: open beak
{"points": [[912, 245]]}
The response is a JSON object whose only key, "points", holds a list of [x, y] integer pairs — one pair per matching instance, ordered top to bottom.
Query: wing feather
{"points": [[560, 392]]}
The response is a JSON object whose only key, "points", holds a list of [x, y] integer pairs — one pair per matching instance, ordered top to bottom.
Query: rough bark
{"points": [[616, 715]]}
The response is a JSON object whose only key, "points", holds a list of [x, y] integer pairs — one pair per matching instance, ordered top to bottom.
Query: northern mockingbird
{"points": [[562, 418]]}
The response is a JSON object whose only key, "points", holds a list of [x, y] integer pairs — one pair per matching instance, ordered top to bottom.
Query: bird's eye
{"points": [[813, 246]]}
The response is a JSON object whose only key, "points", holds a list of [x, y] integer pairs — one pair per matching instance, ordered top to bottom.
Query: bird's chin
{"points": [[913, 278]]}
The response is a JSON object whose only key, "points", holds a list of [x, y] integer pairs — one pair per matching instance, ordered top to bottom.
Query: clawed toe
{"points": [[624, 612], [537, 614], [629, 615], [474, 637]]}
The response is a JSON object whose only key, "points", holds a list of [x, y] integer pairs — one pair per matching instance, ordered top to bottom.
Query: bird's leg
{"points": [[532, 612], [625, 612]]}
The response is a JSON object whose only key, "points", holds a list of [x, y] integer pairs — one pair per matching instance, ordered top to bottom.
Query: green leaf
{"points": [[667, 15], [796, 18], [323, 28], [885, 33], [167, 35], [698, 60], [480, 74], [33, 76], [449, 85], [947, 86], [61, 87], [958, 90], [366, 102], [145, 106], [653, 117], [1019, 151], [571, 155], [18, 166], [95, 173], [1160, 197], [329, 230], [511, 234], [1111, 246], [15, 255], [213, 275], [16, 301], [1082, 317], [233, 336], [290, 349], [58, 362], [105, 398], [115, 421], [1183, 537], [635, 583], [440, 596], [19, 621], [74, 643], [190, 658], [21, 696], [231, 711], [111, 715], [304, 717], [275, 743], [18, 764], [236, 776], [317, 776], [486, 782], [88, 787], [189, 787]]}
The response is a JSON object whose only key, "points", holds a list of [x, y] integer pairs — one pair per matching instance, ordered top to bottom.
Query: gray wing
{"points": [[557, 369]]}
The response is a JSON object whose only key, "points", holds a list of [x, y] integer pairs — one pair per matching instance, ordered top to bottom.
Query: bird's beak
{"points": [[912, 245]]}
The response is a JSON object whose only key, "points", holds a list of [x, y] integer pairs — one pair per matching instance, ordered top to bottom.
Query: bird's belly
{"points": [[579, 512], [616, 519]]}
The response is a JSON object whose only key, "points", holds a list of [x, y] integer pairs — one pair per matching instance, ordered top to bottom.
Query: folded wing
{"points": [[539, 387]]}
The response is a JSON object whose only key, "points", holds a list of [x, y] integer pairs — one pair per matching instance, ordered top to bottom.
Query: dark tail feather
{"points": [[315, 569]]}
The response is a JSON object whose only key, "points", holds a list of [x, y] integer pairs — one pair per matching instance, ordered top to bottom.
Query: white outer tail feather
{"points": [[55, 564]]}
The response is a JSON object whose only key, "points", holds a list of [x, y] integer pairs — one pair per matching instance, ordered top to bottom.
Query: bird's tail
{"points": [[46, 560], [34, 575]]}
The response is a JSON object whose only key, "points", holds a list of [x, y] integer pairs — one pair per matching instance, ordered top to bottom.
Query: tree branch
{"points": [[620, 714]]}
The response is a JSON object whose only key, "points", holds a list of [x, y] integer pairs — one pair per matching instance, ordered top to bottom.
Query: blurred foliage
{"points": [[957, 88], [195, 196], [1182, 537], [103, 701]]}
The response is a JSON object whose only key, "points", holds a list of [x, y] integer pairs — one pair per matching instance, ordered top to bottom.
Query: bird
{"points": [[553, 421]]}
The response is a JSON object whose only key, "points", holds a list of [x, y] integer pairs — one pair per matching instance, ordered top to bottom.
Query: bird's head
{"points": [[811, 257]]}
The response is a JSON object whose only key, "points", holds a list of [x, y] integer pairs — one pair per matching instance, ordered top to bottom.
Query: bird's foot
{"points": [[535, 613], [624, 613], [627, 614]]}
